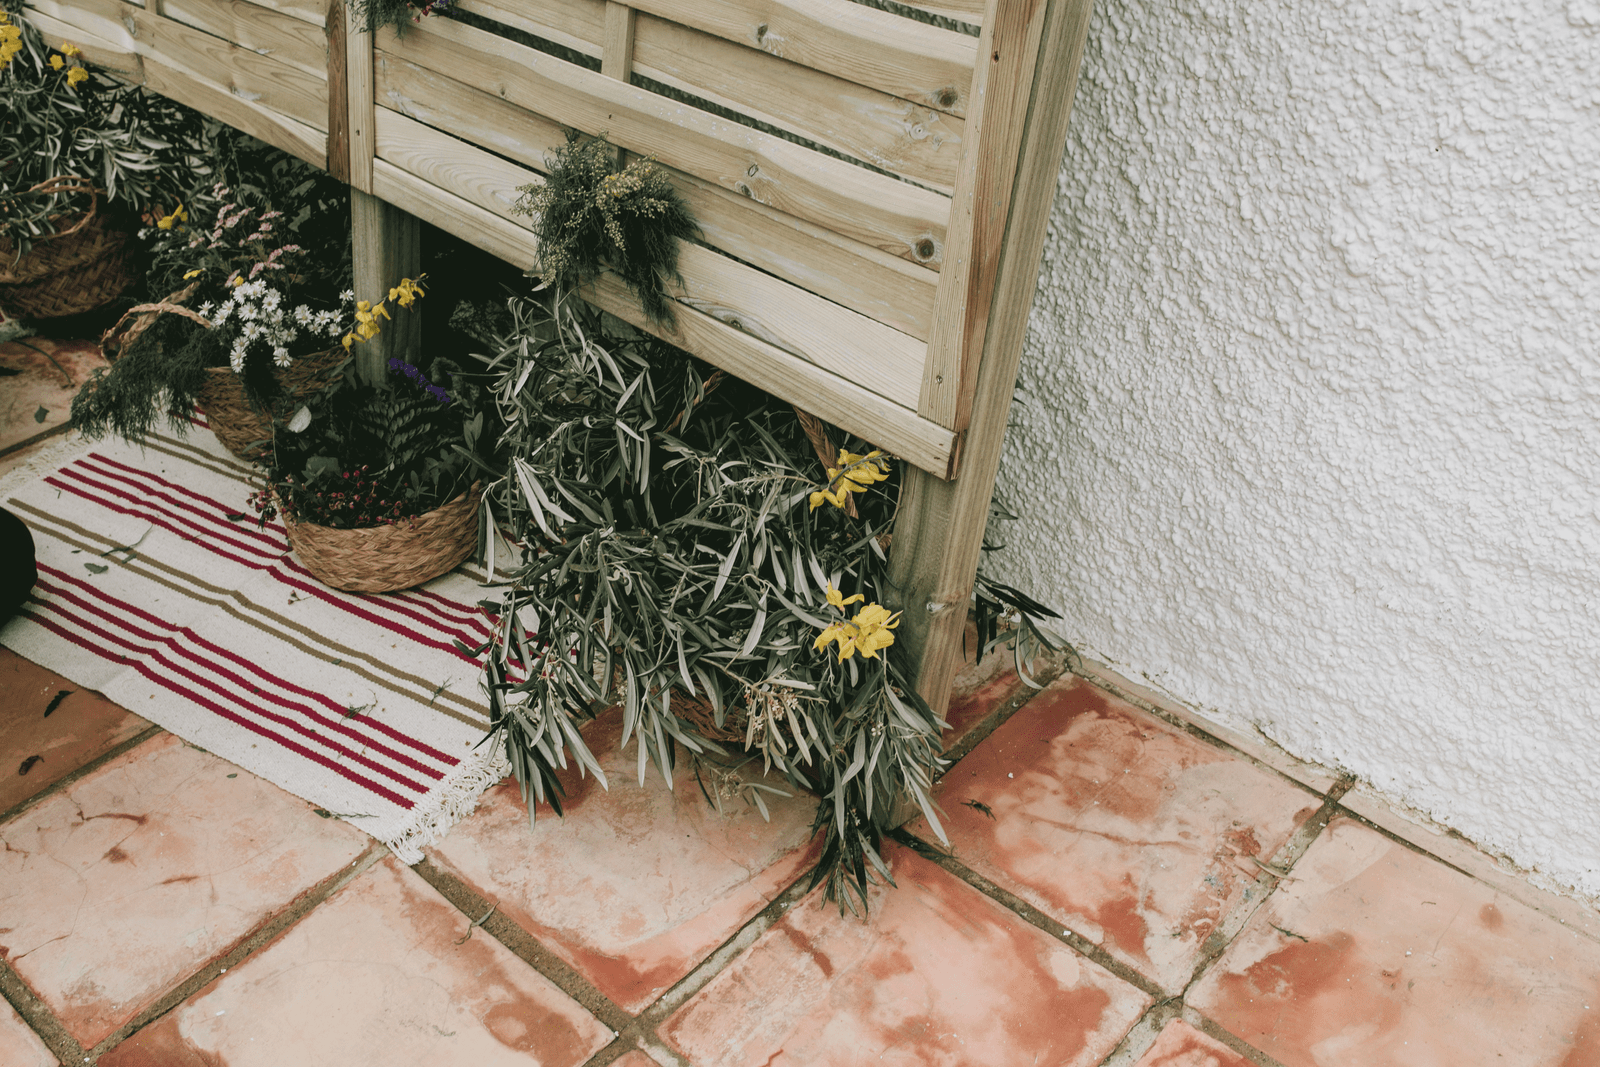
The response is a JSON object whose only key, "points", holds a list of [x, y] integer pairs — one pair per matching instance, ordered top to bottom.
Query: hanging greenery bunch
{"points": [[395, 14], [62, 118], [589, 216], [248, 294], [688, 559]]}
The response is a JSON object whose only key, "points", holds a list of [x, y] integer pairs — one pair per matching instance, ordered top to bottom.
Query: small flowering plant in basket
{"points": [[253, 324], [377, 483]]}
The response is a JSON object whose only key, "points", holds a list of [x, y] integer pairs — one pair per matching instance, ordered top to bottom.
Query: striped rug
{"points": [[157, 590]]}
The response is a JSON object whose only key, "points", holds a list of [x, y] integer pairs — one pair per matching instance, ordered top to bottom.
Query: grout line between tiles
{"points": [[1055, 667], [1177, 721], [79, 773], [1273, 874], [1030, 914], [252, 942], [527, 948], [724, 954], [39, 1017], [1143, 1033], [1218, 1034]]}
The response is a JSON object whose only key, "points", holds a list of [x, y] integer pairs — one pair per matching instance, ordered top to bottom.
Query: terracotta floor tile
{"points": [[42, 381], [980, 687], [78, 728], [1312, 775], [1370, 804], [1133, 834], [127, 881], [636, 884], [1374, 955], [939, 975], [374, 977], [1181, 1045], [20, 1046], [635, 1059]]}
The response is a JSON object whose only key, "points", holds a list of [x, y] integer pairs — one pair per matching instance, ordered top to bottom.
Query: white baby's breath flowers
{"points": [[258, 309]]}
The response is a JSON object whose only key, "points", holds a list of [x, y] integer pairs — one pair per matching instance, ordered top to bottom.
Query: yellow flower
{"points": [[70, 49], [57, 62], [166, 222], [193, 274], [238, 281], [406, 293], [349, 339], [853, 475], [837, 599], [867, 633]]}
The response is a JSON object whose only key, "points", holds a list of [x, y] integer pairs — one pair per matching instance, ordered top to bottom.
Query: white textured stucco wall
{"points": [[1310, 420]]}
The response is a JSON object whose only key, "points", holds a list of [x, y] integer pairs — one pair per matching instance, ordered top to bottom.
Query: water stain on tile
{"points": [[1134, 834], [636, 884], [1373, 952], [938, 974], [519, 1020], [161, 1044], [1181, 1045]]}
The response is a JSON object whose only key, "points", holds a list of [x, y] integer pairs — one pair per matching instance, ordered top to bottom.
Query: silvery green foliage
{"points": [[668, 547]]}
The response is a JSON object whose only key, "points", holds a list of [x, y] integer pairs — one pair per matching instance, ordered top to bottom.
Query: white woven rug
{"points": [[362, 704]]}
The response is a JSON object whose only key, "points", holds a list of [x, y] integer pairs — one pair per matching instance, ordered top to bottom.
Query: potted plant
{"points": [[80, 153], [258, 301], [378, 485], [688, 559]]}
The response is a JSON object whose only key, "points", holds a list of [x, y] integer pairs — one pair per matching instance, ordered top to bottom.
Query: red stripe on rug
{"points": [[212, 509], [235, 695], [332, 705], [256, 728]]}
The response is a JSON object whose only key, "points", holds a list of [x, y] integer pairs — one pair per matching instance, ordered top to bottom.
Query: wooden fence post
{"points": [[386, 242], [387, 246], [939, 529]]}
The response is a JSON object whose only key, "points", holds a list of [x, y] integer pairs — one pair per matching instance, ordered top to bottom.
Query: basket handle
{"points": [[68, 184]]}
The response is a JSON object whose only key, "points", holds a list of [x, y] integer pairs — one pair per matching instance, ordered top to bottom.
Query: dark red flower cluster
{"points": [[354, 499]]}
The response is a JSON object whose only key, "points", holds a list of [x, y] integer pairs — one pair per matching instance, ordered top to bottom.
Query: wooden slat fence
{"points": [[860, 175]]}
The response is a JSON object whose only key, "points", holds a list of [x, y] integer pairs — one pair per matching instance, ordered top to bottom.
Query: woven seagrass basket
{"points": [[81, 267], [246, 430], [382, 559]]}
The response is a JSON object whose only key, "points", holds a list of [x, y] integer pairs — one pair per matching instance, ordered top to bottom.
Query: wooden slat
{"points": [[312, 11], [968, 11], [101, 19], [576, 24], [291, 40], [116, 56], [616, 57], [902, 57], [273, 85], [1001, 93], [202, 94], [359, 94], [338, 96], [898, 135], [908, 139], [872, 208], [883, 287], [789, 318], [848, 405], [940, 525]]}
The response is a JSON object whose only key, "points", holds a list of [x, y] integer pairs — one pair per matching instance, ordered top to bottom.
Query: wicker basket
{"points": [[79, 268], [246, 430], [382, 559]]}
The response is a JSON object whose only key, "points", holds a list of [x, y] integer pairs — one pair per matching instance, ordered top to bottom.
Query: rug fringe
{"points": [[456, 799]]}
